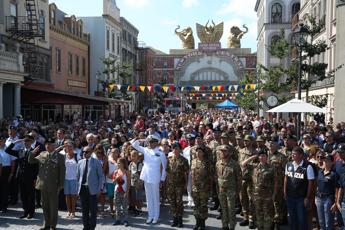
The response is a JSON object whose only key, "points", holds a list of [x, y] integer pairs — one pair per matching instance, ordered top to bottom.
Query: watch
{"points": [[272, 101]]}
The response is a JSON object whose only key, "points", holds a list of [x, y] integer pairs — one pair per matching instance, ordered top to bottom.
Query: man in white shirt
{"points": [[186, 154], [153, 173]]}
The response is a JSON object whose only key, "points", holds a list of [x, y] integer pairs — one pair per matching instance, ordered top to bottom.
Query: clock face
{"points": [[272, 101]]}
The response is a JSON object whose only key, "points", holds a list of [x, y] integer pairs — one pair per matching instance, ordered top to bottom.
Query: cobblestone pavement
{"points": [[11, 221]]}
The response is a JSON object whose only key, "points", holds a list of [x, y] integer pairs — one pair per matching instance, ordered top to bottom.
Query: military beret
{"points": [[12, 127], [249, 138], [260, 139], [50, 141], [176, 145], [262, 151]]}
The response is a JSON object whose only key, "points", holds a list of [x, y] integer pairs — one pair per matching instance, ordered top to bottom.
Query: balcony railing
{"points": [[24, 27]]}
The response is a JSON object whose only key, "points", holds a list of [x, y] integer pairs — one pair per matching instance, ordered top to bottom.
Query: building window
{"points": [[295, 9], [277, 13], [13, 14], [52, 17], [41, 23], [72, 28], [81, 30], [108, 39], [274, 39], [113, 42], [118, 44], [58, 60], [70, 64], [77, 65], [84, 67]]}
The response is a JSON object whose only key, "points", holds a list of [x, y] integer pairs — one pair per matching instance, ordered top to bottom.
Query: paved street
{"points": [[10, 221]]}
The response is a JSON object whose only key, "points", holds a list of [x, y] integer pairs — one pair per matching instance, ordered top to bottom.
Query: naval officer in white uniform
{"points": [[152, 173]]}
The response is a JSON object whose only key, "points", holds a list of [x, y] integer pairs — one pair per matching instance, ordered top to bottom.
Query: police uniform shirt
{"points": [[17, 146], [6, 158], [310, 171], [326, 183]]}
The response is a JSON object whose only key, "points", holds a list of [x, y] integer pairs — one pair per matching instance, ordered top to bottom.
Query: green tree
{"points": [[276, 79], [247, 97]]}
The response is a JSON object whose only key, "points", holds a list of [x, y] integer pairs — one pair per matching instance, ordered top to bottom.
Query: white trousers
{"points": [[189, 187], [152, 200]]}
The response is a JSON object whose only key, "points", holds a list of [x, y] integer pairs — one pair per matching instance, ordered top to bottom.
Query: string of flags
{"points": [[173, 88]]}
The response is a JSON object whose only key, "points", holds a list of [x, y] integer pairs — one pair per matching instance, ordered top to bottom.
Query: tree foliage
{"points": [[247, 98]]}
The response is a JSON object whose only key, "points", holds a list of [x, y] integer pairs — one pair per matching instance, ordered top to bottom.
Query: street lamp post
{"points": [[300, 37], [258, 88]]}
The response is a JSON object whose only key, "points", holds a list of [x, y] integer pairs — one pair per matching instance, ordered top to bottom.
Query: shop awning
{"points": [[44, 96]]}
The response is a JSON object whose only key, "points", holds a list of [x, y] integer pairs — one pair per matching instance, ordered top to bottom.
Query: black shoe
{"points": [[38, 206], [215, 207], [238, 211], [23, 216], [30, 216], [219, 217], [174, 222], [180, 222], [244, 223], [202, 224], [197, 225], [251, 225], [225, 228]]}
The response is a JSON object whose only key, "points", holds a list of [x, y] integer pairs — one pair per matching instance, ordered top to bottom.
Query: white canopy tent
{"points": [[296, 106]]}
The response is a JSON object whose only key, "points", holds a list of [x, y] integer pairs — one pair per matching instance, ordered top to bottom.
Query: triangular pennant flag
{"points": [[252, 86], [111, 87], [118, 87], [134, 87], [235, 87], [129, 88], [142, 88], [150, 88], [165, 88], [172, 88], [182, 88], [197, 88], [214, 88]]}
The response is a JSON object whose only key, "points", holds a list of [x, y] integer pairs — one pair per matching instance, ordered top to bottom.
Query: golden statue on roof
{"points": [[210, 33], [236, 34], [186, 36]]}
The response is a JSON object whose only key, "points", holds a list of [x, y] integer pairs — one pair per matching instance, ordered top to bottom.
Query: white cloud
{"points": [[136, 3], [189, 3], [237, 8], [169, 22]]}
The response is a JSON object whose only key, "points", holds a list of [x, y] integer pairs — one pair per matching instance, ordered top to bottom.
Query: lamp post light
{"points": [[300, 38]]}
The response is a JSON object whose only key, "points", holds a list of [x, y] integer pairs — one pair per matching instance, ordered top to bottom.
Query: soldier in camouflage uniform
{"points": [[225, 140], [239, 141], [200, 144], [213, 146], [278, 162], [177, 172], [201, 180], [229, 182], [265, 189], [246, 194]]}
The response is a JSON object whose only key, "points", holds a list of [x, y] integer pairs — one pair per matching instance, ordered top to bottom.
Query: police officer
{"points": [[278, 161], [177, 174], [51, 177], [201, 180], [229, 181], [298, 187], [265, 190], [246, 194]]}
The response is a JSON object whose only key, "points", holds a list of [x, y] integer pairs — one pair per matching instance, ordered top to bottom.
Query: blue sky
{"points": [[157, 19]]}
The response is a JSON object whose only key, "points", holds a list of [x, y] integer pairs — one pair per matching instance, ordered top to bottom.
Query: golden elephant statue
{"points": [[236, 35], [186, 36]]}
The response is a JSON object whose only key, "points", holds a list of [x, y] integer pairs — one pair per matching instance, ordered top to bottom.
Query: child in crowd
{"points": [[121, 180], [136, 189]]}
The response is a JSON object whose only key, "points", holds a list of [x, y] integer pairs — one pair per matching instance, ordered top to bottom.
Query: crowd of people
{"points": [[232, 162]]}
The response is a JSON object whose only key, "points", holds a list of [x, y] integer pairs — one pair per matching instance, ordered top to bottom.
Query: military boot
{"points": [[216, 205], [174, 222], [180, 222], [244, 222], [202, 224], [197, 225], [251, 225], [225, 228]]}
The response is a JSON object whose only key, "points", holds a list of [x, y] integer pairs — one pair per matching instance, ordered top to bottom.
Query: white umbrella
{"points": [[296, 106]]}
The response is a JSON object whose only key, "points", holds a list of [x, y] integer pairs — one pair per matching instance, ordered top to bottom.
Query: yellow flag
{"points": [[142, 88], [165, 88]]}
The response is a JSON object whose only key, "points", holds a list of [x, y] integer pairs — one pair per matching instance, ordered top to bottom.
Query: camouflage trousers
{"points": [[246, 196], [175, 197], [200, 200], [227, 202], [264, 212], [280, 212]]}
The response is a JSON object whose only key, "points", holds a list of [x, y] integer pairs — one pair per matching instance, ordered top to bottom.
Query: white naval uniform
{"points": [[186, 154], [152, 176]]}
